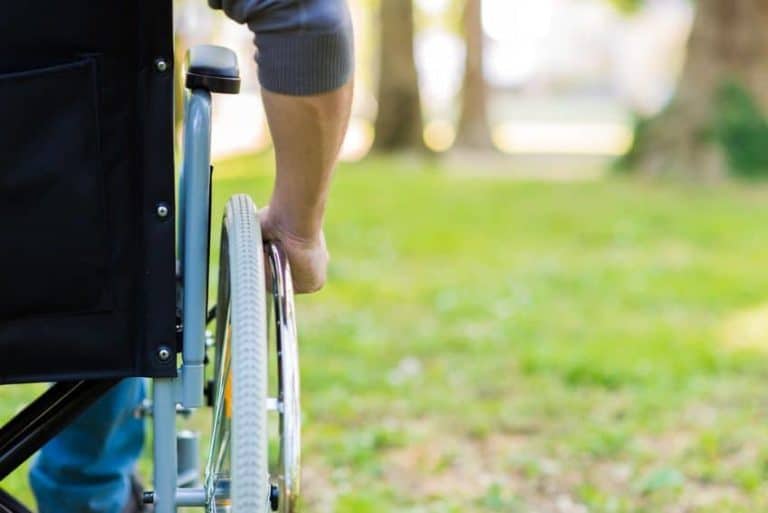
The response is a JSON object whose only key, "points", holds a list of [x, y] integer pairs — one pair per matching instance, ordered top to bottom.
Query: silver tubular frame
{"points": [[195, 184], [193, 248], [164, 445]]}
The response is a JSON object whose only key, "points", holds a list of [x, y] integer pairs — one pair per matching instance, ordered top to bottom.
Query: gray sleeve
{"points": [[303, 46]]}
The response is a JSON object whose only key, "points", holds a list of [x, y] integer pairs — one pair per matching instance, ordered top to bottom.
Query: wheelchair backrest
{"points": [[86, 160]]}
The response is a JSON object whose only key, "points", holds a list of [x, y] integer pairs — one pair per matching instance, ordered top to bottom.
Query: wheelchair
{"points": [[105, 274]]}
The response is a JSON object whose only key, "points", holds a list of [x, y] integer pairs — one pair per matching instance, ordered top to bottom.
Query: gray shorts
{"points": [[303, 46]]}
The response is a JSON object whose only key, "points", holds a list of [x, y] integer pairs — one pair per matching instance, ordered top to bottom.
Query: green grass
{"points": [[490, 345]]}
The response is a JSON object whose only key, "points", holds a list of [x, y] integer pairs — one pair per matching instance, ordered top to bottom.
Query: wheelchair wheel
{"points": [[236, 475]]}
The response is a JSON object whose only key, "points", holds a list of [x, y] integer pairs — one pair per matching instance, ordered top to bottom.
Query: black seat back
{"points": [[86, 159]]}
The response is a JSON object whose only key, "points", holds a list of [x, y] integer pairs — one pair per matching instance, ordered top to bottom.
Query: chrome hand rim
{"points": [[288, 478]]}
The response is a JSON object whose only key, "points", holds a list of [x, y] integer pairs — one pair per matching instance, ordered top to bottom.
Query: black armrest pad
{"points": [[213, 68]]}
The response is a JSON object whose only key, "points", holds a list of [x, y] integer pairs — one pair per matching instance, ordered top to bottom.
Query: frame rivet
{"points": [[161, 65], [162, 210], [163, 353]]}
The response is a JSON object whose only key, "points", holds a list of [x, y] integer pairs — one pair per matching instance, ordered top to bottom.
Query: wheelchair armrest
{"points": [[213, 68]]}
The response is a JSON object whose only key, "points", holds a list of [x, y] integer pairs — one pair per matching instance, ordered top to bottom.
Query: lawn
{"points": [[494, 345]]}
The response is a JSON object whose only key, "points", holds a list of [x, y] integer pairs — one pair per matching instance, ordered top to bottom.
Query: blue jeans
{"points": [[87, 468]]}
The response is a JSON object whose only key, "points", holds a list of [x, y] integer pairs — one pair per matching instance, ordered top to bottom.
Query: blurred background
{"points": [[552, 77], [548, 290]]}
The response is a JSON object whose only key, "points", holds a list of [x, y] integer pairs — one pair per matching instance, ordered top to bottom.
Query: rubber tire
{"points": [[248, 445]]}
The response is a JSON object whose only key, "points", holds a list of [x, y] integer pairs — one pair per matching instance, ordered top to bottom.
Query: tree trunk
{"points": [[728, 43], [398, 122], [473, 131]]}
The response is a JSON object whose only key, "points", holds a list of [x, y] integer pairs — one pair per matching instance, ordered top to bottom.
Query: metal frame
{"points": [[194, 238], [42, 419]]}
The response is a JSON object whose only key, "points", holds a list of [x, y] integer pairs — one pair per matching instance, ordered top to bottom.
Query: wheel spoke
{"points": [[274, 405], [221, 429]]}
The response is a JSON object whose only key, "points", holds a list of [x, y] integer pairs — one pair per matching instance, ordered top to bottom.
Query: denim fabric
{"points": [[87, 468]]}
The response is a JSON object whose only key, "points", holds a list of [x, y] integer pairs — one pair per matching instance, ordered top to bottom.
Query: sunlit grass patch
{"points": [[747, 329]]}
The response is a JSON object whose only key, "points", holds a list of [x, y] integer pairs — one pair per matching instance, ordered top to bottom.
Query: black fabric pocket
{"points": [[54, 250]]}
